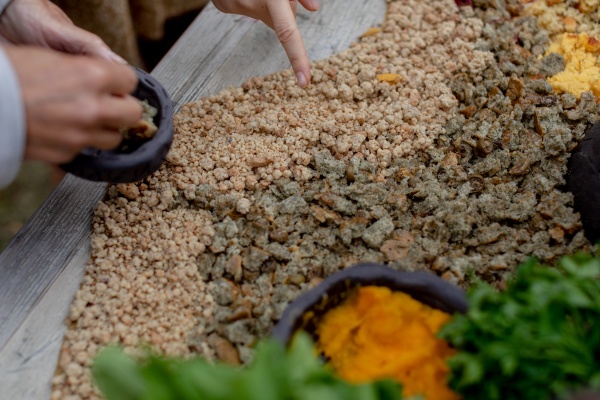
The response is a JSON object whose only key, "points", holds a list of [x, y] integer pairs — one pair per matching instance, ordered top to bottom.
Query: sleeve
{"points": [[3, 4], [12, 123]]}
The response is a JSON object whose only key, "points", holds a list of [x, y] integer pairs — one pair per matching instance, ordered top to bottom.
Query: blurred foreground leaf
{"points": [[276, 374]]}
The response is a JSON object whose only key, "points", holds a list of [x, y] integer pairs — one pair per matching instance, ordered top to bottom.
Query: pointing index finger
{"points": [[284, 24]]}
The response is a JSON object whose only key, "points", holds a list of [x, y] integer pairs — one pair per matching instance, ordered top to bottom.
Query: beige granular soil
{"points": [[245, 138], [456, 168]]}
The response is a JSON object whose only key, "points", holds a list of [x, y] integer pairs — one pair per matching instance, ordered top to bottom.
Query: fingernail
{"points": [[315, 4], [301, 79]]}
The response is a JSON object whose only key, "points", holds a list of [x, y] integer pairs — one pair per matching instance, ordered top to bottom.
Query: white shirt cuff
{"points": [[3, 4], [12, 123]]}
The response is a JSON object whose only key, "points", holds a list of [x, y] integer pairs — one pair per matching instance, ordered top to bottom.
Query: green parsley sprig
{"points": [[538, 339]]}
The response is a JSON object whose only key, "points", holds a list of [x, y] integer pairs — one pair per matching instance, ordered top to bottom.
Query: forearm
{"points": [[12, 122]]}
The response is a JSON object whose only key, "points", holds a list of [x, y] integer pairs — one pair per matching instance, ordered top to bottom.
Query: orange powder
{"points": [[383, 334]]}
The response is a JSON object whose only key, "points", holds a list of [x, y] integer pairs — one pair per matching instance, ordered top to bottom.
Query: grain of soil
{"points": [[434, 143]]}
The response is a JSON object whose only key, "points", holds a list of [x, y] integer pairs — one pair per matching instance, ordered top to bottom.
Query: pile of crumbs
{"points": [[434, 143]]}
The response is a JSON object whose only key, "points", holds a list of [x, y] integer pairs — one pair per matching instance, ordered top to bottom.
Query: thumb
{"points": [[65, 36], [74, 40]]}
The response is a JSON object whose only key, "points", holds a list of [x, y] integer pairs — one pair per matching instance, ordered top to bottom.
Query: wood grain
{"points": [[42, 248], [41, 268], [27, 362]]}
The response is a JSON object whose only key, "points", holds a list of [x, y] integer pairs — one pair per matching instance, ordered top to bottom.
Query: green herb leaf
{"points": [[538, 339], [275, 374], [118, 376]]}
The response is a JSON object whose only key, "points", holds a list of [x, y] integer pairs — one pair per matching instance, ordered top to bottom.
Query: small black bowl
{"points": [[142, 157], [583, 180], [306, 311]]}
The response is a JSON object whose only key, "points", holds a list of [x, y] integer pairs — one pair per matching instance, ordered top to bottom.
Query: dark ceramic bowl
{"points": [[142, 157], [583, 180], [306, 311]]}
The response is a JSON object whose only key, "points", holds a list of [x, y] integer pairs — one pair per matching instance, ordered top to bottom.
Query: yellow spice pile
{"points": [[574, 29], [582, 64], [379, 334]]}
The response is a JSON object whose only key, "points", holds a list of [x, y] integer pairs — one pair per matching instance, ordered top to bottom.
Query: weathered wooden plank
{"points": [[42, 248], [41, 268], [28, 364]]}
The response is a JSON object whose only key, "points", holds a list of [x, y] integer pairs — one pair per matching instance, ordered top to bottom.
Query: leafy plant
{"points": [[538, 339], [276, 374]]}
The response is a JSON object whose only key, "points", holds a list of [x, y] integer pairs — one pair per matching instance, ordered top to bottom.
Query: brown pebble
{"points": [[516, 88], [494, 91], [468, 111], [538, 125], [484, 147], [450, 159], [259, 161], [520, 167], [350, 173], [477, 183], [129, 190], [323, 215], [557, 234], [279, 235], [394, 250], [234, 267], [295, 279], [242, 312], [224, 349]]}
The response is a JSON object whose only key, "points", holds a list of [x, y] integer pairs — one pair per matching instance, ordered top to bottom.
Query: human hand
{"points": [[279, 15], [42, 23], [72, 102]]}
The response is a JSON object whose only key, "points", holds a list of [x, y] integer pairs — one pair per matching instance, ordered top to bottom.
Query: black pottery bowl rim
{"points": [[120, 167], [421, 285]]}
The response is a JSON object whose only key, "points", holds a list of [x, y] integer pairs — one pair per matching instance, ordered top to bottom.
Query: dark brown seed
{"points": [[516, 88], [494, 91], [469, 111], [538, 126], [484, 147], [521, 167], [350, 173], [477, 183], [279, 235], [234, 267]]}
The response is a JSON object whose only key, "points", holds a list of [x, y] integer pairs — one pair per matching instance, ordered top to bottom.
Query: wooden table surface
{"points": [[41, 269]]}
